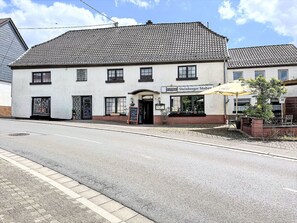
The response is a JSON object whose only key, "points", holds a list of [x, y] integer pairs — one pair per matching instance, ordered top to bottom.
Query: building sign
{"points": [[186, 88], [160, 106]]}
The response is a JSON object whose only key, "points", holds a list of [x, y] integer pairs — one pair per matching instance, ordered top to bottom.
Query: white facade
{"points": [[270, 72], [64, 86], [5, 93]]}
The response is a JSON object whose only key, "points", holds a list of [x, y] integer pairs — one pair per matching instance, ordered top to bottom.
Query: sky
{"points": [[244, 22]]}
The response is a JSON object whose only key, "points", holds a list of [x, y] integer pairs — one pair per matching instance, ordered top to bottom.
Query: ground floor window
{"points": [[243, 104], [115, 105], [187, 105], [41, 106], [276, 107]]}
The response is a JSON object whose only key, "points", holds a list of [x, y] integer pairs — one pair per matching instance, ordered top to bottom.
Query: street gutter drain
{"points": [[19, 134]]}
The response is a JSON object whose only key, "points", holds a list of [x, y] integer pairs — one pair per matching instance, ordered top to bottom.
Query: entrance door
{"points": [[86, 107], [148, 111]]}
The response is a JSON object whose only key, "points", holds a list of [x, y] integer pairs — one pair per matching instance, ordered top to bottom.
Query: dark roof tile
{"points": [[158, 43], [263, 56]]}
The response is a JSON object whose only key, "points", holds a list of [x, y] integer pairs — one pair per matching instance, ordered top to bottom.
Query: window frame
{"points": [[260, 71], [234, 72], [42, 74], [279, 74], [85, 77], [117, 78], [146, 78], [179, 78], [116, 102], [246, 105], [181, 111], [40, 114]]}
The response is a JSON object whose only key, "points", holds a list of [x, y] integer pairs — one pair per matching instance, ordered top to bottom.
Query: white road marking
{"points": [[76, 138], [146, 156], [289, 189]]}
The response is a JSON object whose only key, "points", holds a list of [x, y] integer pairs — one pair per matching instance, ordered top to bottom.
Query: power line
{"points": [[114, 22], [66, 27]]}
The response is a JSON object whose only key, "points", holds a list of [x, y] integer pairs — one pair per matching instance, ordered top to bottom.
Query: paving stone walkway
{"points": [[25, 198]]}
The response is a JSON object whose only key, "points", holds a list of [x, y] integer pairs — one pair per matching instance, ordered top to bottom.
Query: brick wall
{"points": [[5, 111]]}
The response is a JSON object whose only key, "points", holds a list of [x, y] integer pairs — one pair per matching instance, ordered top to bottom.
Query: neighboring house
{"points": [[12, 46], [275, 61], [99, 73]]}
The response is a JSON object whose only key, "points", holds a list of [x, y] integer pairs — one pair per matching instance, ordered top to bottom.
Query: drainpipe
{"points": [[226, 79]]}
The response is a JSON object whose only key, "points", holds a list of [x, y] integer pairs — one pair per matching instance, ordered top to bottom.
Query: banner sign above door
{"points": [[186, 88]]}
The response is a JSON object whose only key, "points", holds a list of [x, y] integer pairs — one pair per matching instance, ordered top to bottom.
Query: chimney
{"points": [[149, 22]]}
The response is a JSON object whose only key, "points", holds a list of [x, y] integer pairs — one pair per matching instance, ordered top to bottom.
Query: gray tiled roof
{"points": [[2, 21], [140, 44], [263, 56]]}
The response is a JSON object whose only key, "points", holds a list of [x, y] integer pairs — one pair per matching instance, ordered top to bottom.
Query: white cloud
{"points": [[140, 3], [2, 4], [226, 11], [27, 13], [280, 15]]}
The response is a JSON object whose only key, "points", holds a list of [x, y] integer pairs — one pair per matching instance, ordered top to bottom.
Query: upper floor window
{"points": [[187, 73], [259, 73], [146, 74], [81, 75], [237, 75], [283, 75], [115, 76], [41, 77], [115, 105]]}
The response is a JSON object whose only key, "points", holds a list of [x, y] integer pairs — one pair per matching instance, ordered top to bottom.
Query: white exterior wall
{"points": [[270, 72], [64, 86], [5, 94]]}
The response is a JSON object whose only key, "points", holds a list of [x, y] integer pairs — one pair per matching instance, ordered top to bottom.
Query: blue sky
{"points": [[244, 22]]}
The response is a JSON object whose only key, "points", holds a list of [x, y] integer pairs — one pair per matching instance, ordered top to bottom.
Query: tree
{"points": [[264, 91]]}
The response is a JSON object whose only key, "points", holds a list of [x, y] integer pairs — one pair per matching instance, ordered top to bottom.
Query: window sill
{"points": [[187, 79], [81, 80], [146, 80], [115, 81], [45, 83], [115, 114], [186, 115]]}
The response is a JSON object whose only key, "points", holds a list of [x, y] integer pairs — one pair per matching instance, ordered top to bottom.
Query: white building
{"points": [[12, 46], [275, 61], [101, 73]]}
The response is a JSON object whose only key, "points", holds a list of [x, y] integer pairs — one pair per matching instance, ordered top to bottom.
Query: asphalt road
{"points": [[165, 180]]}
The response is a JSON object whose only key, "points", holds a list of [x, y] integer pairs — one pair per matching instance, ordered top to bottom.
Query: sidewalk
{"points": [[216, 135], [32, 193]]}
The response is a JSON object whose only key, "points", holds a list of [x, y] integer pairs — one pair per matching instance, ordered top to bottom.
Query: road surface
{"points": [[165, 180]]}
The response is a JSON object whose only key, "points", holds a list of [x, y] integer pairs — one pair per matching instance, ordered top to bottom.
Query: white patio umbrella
{"points": [[235, 88]]}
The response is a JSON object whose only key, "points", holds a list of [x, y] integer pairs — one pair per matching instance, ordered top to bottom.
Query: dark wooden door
{"points": [[86, 107], [291, 107], [148, 112]]}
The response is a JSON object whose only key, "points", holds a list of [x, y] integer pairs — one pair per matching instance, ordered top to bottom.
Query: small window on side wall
{"points": [[259, 73], [81, 75], [237, 75], [283, 75]]}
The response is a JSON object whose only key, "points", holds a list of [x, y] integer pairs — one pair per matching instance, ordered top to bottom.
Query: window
{"points": [[187, 73], [259, 73], [146, 74], [81, 75], [237, 75], [283, 75], [115, 76], [41, 77], [243, 104], [115, 105], [187, 105], [41, 106], [276, 106]]}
